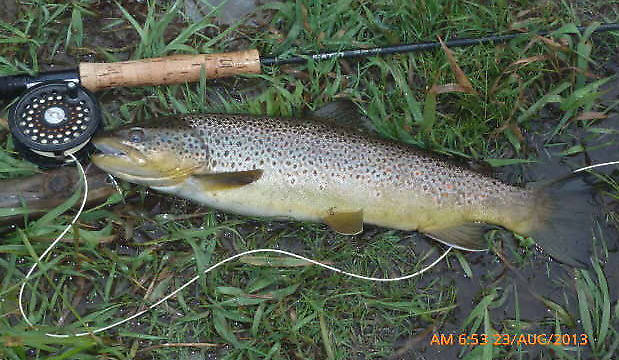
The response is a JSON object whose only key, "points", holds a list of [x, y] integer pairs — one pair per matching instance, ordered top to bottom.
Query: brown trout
{"points": [[317, 171]]}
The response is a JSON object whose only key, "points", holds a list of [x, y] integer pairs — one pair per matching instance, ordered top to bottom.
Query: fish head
{"points": [[151, 156]]}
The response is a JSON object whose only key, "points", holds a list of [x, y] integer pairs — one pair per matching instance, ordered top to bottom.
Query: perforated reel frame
{"points": [[54, 119]]}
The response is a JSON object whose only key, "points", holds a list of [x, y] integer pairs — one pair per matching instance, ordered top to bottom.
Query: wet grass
{"points": [[280, 309]]}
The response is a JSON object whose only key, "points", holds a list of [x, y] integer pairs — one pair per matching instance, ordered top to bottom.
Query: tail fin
{"points": [[565, 223]]}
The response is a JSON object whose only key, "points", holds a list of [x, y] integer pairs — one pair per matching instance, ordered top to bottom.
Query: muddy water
{"points": [[542, 277]]}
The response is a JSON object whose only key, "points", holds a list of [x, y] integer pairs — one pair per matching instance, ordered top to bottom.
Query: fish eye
{"points": [[136, 135]]}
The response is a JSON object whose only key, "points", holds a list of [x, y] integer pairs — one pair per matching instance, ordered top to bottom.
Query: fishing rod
{"points": [[186, 68], [57, 113]]}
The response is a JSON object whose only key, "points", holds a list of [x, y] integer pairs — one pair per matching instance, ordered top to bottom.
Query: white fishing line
{"points": [[596, 165], [51, 246], [195, 278]]}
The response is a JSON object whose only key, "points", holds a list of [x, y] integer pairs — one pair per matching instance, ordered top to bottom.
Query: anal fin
{"points": [[230, 180], [346, 223], [469, 236]]}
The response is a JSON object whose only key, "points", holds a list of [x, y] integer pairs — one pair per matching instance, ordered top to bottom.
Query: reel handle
{"points": [[167, 70]]}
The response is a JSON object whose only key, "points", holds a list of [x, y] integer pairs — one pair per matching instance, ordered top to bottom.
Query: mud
{"points": [[8, 11], [227, 12], [542, 277]]}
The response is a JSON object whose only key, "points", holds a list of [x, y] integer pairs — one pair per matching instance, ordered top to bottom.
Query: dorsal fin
{"points": [[340, 112]]}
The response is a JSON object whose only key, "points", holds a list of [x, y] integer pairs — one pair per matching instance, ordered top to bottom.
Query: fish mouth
{"points": [[110, 147], [107, 148], [126, 162]]}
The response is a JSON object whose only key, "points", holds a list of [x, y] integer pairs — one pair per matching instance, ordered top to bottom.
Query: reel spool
{"points": [[53, 120]]}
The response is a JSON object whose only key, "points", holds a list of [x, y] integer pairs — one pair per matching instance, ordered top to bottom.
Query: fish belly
{"points": [[393, 208]]}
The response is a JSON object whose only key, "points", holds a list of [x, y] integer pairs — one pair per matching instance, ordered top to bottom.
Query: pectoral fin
{"points": [[226, 181], [346, 223], [468, 237]]}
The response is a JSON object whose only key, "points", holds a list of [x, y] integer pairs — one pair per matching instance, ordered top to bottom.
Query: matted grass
{"points": [[533, 95]]}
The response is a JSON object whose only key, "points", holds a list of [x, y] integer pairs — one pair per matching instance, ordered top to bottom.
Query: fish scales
{"points": [[311, 168], [317, 171]]}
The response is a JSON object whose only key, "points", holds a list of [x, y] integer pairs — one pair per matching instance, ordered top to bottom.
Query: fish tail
{"points": [[562, 224]]}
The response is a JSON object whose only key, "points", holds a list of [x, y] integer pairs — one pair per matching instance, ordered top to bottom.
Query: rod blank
{"points": [[405, 48], [187, 68]]}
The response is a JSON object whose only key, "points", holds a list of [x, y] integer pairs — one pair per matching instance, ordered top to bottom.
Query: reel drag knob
{"points": [[53, 120]]}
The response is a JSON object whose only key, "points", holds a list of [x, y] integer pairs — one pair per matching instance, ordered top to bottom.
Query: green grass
{"points": [[279, 311]]}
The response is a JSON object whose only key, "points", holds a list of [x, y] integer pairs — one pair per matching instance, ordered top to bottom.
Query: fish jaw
{"points": [[128, 163]]}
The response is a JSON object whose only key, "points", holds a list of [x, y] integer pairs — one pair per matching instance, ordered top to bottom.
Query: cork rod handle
{"points": [[167, 70]]}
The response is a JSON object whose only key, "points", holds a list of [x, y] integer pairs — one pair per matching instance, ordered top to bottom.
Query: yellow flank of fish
{"points": [[315, 171]]}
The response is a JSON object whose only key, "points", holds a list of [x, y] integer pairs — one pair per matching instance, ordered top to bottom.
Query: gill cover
{"points": [[150, 156], [163, 156]]}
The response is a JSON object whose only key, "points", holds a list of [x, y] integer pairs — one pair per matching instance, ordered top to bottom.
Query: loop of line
{"points": [[51, 246], [197, 277], [192, 280]]}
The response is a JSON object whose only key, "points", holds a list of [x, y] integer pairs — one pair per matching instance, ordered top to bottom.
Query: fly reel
{"points": [[52, 120]]}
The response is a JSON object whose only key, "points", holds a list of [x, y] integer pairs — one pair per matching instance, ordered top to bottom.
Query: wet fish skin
{"points": [[312, 170]]}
